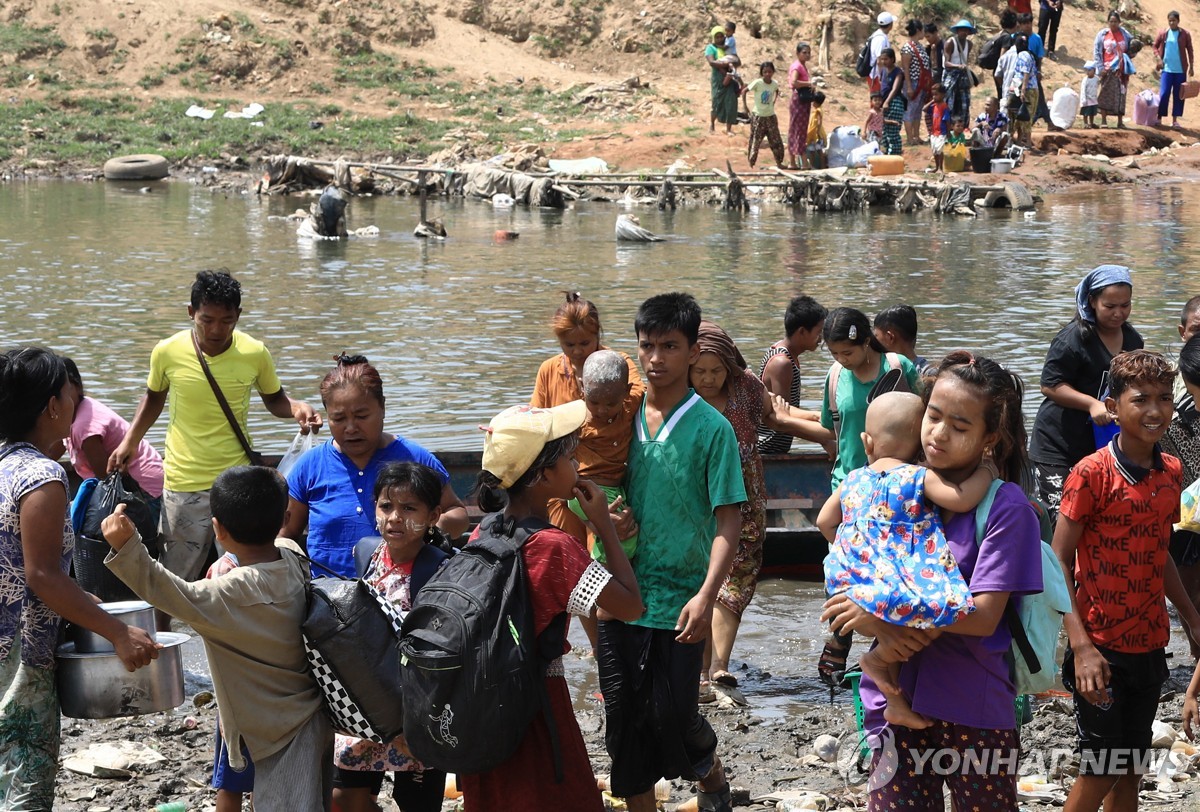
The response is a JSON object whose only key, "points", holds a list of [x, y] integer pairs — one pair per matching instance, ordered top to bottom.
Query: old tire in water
{"points": [[136, 167], [1014, 196]]}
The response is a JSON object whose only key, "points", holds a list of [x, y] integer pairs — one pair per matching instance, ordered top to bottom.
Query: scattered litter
{"points": [[196, 111], [249, 111], [1104, 159], [579, 166], [366, 231], [1162, 734], [826, 747], [112, 760]]}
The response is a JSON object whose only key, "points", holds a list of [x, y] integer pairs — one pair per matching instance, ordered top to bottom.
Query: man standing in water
{"points": [[201, 440]]}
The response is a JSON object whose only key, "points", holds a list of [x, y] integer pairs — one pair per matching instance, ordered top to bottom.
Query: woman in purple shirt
{"points": [[960, 681]]}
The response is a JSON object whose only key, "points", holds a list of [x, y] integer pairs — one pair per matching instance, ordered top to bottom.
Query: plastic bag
{"points": [[300, 446], [110, 493], [1189, 508]]}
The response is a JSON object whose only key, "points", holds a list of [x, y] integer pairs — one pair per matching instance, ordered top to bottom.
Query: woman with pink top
{"points": [[96, 432]]}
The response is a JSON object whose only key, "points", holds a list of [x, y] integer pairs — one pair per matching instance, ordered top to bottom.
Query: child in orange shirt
{"points": [[612, 401]]}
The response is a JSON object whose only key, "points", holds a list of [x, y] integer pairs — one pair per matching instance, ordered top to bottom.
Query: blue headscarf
{"points": [[1099, 277]]}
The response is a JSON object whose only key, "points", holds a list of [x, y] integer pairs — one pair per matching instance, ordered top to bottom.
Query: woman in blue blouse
{"points": [[330, 487]]}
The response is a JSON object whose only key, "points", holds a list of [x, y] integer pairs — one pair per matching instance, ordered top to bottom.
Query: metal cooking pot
{"points": [[132, 613], [97, 686]]}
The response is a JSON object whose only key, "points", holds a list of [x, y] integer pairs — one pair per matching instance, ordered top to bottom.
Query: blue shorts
{"points": [[227, 778]]}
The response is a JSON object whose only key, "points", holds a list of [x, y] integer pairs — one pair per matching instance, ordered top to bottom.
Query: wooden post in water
{"points": [[735, 191], [666, 195]]}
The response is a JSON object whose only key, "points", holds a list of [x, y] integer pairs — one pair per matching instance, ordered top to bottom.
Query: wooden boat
{"points": [[797, 487]]}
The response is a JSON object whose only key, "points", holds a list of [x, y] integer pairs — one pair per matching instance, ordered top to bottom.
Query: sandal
{"points": [[832, 665], [723, 677], [707, 693], [719, 801]]}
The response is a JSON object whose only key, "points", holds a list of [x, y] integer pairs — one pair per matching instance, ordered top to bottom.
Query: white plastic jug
{"points": [[1064, 106]]}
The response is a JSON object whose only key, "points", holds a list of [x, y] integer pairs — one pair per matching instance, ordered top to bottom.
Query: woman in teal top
{"points": [[860, 363]]}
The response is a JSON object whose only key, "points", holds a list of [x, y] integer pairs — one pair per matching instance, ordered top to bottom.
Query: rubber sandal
{"points": [[832, 665], [725, 678], [707, 693], [719, 801]]}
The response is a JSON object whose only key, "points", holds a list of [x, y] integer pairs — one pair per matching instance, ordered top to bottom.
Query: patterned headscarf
{"points": [[1098, 278], [715, 340]]}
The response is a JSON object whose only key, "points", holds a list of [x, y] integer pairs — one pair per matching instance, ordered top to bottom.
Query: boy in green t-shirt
{"points": [[685, 485]]}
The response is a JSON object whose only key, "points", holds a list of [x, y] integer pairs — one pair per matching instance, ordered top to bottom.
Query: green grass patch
{"points": [[943, 11], [24, 41], [370, 71], [93, 129]]}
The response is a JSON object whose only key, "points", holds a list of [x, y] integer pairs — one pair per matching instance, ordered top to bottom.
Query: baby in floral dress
{"points": [[889, 553]]}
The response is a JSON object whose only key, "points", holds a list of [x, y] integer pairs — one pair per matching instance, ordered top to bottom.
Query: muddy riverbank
{"points": [[768, 753]]}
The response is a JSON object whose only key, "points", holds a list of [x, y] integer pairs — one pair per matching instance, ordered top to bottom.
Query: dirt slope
{"points": [[280, 50]]}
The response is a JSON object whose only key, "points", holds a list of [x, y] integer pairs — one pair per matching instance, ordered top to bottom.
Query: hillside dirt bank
{"points": [[470, 78]]}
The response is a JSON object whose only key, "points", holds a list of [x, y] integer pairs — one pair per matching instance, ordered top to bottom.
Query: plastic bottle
{"points": [[173, 806]]}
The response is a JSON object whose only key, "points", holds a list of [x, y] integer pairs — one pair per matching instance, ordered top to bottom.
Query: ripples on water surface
{"points": [[458, 329]]}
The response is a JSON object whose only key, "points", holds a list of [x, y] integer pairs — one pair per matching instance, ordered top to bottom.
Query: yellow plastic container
{"points": [[955, 158], [886, 164]]}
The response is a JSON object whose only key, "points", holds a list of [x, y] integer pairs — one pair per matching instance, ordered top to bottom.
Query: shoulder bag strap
{"points": [[831, 386], [224, 404], [1011, 619]]}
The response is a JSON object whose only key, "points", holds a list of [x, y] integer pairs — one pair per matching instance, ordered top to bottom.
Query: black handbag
{"points": [[805, 94], [1023, 112]]}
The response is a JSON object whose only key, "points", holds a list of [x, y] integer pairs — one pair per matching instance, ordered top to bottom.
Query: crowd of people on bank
{"points": [[921, 77], [646, 480]]}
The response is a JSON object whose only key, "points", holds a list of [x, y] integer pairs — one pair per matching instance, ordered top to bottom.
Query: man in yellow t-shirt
{"points": [[201, 443]]}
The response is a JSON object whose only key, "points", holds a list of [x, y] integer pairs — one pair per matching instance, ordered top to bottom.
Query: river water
{"points": [[101, 271]]}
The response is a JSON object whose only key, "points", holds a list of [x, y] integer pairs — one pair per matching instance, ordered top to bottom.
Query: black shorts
{"points": [[1050, 479], [1185, 548], [653, 726], [1114, 739], [413, 791]]}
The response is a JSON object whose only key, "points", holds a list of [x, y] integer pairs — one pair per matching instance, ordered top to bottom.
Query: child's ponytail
{"points": [[1002, 413], [493, 497]]}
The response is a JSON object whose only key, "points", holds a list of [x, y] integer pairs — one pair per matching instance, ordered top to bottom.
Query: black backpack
{"points": [[989, 57], [863, 65], [472, 669]]}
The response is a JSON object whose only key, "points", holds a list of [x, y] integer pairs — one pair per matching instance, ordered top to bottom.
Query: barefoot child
{"points": [[763, 93], [1089, 95], [894, 102], [937, 114], [873, 126], [814, 153], [604, 437], [1112, 538], [890, 555], [250, 621], [961, 682]]}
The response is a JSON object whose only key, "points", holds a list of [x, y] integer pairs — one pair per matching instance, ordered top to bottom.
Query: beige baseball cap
{"points": [[518, 434]]}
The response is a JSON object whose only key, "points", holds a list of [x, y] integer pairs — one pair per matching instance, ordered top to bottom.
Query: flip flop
{"points": [[725, 678], [707, 693]]}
